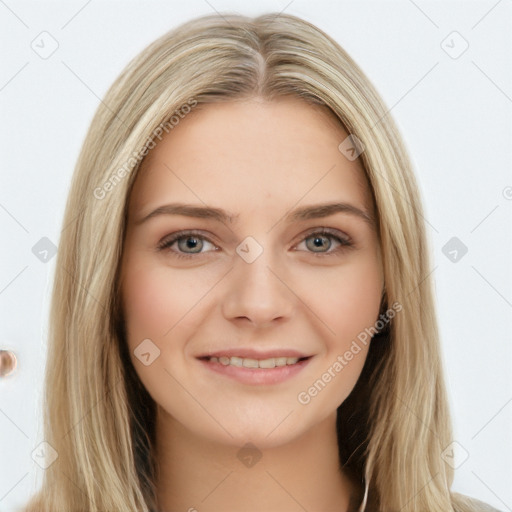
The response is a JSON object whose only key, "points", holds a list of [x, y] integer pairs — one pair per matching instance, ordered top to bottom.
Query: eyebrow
{"points": [[315, 211]]}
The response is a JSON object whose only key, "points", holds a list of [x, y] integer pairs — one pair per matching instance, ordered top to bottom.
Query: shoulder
{"points": [[469, 504]]}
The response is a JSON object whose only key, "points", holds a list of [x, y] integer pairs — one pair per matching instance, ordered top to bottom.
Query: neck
{"points": [[195, 473]]}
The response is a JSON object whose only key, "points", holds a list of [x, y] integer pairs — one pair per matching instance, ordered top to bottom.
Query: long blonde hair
{"points": [[97, 415]]}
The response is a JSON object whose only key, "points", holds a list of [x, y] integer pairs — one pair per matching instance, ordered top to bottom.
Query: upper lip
{"points": [[251, 353]]}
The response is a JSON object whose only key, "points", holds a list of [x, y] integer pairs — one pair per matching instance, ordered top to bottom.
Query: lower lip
{"points": [[257, 376]]}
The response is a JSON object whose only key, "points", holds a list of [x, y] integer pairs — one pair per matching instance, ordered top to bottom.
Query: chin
{"points": [[264, 435]]}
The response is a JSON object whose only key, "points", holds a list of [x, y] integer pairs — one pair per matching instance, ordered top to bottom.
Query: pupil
{"points": [[319, 241], [191, 242]]}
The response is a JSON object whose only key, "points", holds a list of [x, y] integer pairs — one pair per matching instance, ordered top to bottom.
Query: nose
{"points": [[258, 292]]}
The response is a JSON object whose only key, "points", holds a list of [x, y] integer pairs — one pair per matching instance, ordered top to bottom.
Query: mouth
{"points": [[255, 364], [268, 368]]}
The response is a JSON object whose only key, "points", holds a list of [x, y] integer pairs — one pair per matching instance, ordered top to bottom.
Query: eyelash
{"points": [[166, 244]]}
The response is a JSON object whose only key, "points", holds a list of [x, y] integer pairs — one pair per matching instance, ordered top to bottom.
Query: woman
{"points": [[251, 369]]}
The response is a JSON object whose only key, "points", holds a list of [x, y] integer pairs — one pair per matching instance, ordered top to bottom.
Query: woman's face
{"points": [[257, 284]]}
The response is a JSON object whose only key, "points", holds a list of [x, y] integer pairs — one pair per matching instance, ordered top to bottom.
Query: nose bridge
{"points": [[256, 290]]}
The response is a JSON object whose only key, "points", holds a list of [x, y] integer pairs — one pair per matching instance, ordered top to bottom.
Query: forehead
{"points": [[252, 154]]}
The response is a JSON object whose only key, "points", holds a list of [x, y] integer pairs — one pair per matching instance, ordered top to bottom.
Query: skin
{"points": [[258, 160]]}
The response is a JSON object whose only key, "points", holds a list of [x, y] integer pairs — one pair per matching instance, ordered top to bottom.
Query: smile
{"points": [[247, 362], [271, 370]]}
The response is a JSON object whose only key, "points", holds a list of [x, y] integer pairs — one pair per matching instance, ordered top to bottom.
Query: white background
{"points": [[454, 115]]}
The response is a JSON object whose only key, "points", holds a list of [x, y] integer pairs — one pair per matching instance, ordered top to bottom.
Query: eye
{"points": [[322, 238], [191, 240], [194, 241]]}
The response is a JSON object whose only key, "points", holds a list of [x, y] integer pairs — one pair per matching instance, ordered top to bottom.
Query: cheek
{"points": [[156, 299], [348, 299], [348, 305], [157, 306], [148, 307]]}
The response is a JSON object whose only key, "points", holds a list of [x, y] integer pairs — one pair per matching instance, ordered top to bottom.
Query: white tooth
{"points": [[236, 361], [271, 362], [250, 363], [268, 363]]}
